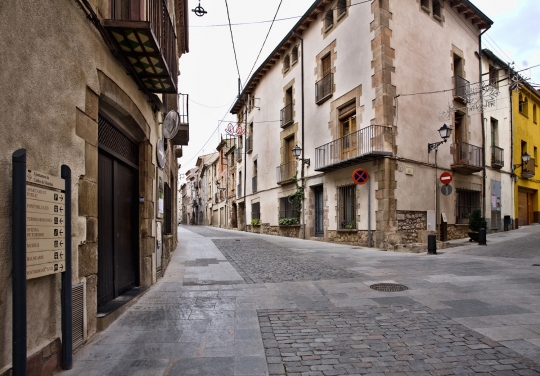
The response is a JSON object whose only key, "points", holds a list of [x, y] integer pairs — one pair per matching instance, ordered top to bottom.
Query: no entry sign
{"points": [[360, 176], [446, 178]]}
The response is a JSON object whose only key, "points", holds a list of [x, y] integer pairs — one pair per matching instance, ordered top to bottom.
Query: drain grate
{"points": [[389, 287]]}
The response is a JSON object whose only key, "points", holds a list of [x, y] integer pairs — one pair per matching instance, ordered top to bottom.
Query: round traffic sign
{"points": [[360, 176], [446, 178], [446, 190]]}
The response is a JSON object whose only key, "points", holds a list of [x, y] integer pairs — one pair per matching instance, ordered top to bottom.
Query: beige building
{"points": [[89, 84], [366, 86]]}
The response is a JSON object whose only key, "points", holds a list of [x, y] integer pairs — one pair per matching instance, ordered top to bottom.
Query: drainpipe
{"points": [[483, 122], [303, 144], [512, 150], [245, 167]]}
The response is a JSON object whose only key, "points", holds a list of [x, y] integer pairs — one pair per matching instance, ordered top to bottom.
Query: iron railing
{"points": [[461, 87], [323, 88], [286, 115], [374, 139], [249, 144], [468, 155], [497, 157], [528, 169], [286, 171], [254, 184], [239, 190], [466, 201], [347, 207], [288, 208], [256, 211]]}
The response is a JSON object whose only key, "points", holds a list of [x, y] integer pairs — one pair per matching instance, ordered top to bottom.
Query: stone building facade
{"points": [[347, 85], [81, 96]]}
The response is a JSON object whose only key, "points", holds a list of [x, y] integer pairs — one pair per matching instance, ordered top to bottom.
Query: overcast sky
{"points": [[209, 74]]}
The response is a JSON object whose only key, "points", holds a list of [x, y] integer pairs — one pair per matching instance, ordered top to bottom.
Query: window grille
{"points": [[117, 142], [466, 201], [347, 207], [288, 208], [168, 210], [256, 211]]}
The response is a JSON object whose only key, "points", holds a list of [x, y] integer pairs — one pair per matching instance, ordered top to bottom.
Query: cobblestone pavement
{"points": [[259, 261], [469, 310], [400, 339]]}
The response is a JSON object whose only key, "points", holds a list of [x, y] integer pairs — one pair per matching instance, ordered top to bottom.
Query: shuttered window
{"points": [[168, 210]]}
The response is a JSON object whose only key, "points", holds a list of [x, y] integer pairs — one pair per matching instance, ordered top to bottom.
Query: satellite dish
{"points": [[171, 124]]}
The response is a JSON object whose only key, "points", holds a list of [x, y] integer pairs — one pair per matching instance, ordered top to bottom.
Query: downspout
{"points": [[483, 124], [303, 144], [512, 148], [245, 168]]}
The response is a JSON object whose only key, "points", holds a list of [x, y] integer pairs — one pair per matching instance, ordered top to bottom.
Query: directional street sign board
{"points": [[360, 176], [446, 178], [45, 180], [43, 194], [33, 206], [34, 219], [42, 232], [37, 245], [37, 258], [35, 271]]}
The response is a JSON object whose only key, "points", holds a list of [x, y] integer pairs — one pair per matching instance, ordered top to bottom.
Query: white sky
{"points": [[209, 74]]}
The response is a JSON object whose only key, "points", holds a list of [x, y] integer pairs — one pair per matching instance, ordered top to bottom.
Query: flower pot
{"points": [[473, 235]]}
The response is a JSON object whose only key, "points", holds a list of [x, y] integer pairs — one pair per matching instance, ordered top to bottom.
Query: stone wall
{"points": [[410, 223], [291, 231], [458, 231], [353, 237]]}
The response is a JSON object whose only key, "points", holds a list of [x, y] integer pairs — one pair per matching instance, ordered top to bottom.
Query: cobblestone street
{"points": [[233, 303]]}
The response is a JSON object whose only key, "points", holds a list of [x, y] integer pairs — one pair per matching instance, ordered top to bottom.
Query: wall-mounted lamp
{"points": [[445, 131], [297, 152], [525, 158]]}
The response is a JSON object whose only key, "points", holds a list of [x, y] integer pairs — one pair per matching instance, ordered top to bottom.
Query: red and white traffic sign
{"points": [[446, 178]]}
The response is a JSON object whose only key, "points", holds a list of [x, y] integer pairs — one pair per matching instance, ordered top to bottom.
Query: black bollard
{"points": [[482, 236], [432, 245]]}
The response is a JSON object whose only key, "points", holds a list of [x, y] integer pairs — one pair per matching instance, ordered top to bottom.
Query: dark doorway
{"points": [[319, 212], [117, 216]]}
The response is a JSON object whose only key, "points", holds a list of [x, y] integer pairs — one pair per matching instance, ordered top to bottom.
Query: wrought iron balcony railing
{"points": [[145, 35], [323, 88], [461, 88], [286, 115], [182, 136], [368, 143], [249, 144], [497, 157], [467, 158], [528, 169], [286, 171], [254, 184]]}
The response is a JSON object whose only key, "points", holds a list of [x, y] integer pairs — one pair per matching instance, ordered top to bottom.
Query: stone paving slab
{"points": [[388, 339]]}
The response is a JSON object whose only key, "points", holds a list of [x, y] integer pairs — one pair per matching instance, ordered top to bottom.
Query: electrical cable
{"points": [[232, 38], [203, 105]]}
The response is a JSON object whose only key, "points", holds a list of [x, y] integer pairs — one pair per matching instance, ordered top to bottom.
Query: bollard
{"points": [[482, 236], [432, 245]]}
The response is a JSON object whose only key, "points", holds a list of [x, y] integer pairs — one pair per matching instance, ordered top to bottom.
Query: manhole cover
{"points": [[388, 287]]}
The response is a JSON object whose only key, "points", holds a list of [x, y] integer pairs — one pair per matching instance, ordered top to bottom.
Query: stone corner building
{"points": [[86, 83], [344, 84]]}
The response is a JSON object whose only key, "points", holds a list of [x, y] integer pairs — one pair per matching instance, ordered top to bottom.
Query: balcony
{"points": [[145, 36], [324, 88], [461, 88], [286, 116], [182, 136], [368, 143], [249, 144], [178, 152], [497, 157], [467, 158], [528, 169], [285, 172], [254, 184], [239, 191]]}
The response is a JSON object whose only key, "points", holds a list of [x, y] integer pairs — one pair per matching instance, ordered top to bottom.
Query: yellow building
{"points": [[526, 116]]}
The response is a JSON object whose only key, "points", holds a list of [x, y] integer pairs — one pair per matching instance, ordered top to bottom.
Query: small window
{"points": [[425, 4], [341, 7], [437, 9], [329, 19], [294, 54], [286, 63], [494, 76], [524, 106], [535, 111], [535, 156], [466, 202], [347, 207], [288, 208], [256, 211]]}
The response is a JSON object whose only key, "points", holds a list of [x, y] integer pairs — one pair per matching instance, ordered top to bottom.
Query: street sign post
{"points": [[360, 176], [446, 178], [446, 190]]}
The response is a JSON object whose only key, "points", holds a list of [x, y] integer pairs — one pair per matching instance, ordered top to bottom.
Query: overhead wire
{"points": [[232, 38], [203, 105]]}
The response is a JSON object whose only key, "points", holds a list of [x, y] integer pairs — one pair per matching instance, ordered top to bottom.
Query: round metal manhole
{"points": [[389, 287]]}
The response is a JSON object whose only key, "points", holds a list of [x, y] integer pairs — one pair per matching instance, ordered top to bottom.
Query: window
{"points": [[425, 5], [341, 7], [437, 10], [328, 19], [294, 54], [286, 63], [326, 65], [494, 76], [523, 105], [287, 111], [535, 114], [494, 132], [348, 140], [535, 156], [254, 178], [466, 202], [347, 207], [288, 208], [168, 209], [256, 211]]}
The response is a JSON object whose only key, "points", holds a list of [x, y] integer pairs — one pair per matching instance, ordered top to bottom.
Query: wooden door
{"points": [[349, 142], [523, 208], [319, 212], [117, 228]]}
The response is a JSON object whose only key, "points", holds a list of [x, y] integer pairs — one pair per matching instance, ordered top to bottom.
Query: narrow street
{"points": [[233, 303]]}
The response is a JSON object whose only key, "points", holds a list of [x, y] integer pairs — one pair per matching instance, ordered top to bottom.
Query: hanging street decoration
{"points": [[199, 11], [477, 97], [235, 131]]}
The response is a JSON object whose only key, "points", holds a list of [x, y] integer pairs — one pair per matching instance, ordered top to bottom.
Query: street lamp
{"points": [[445, 131], [297, 152], [525, 158]]}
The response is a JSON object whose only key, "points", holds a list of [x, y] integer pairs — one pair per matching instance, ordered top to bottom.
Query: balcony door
{"points": [[349, 142]]}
